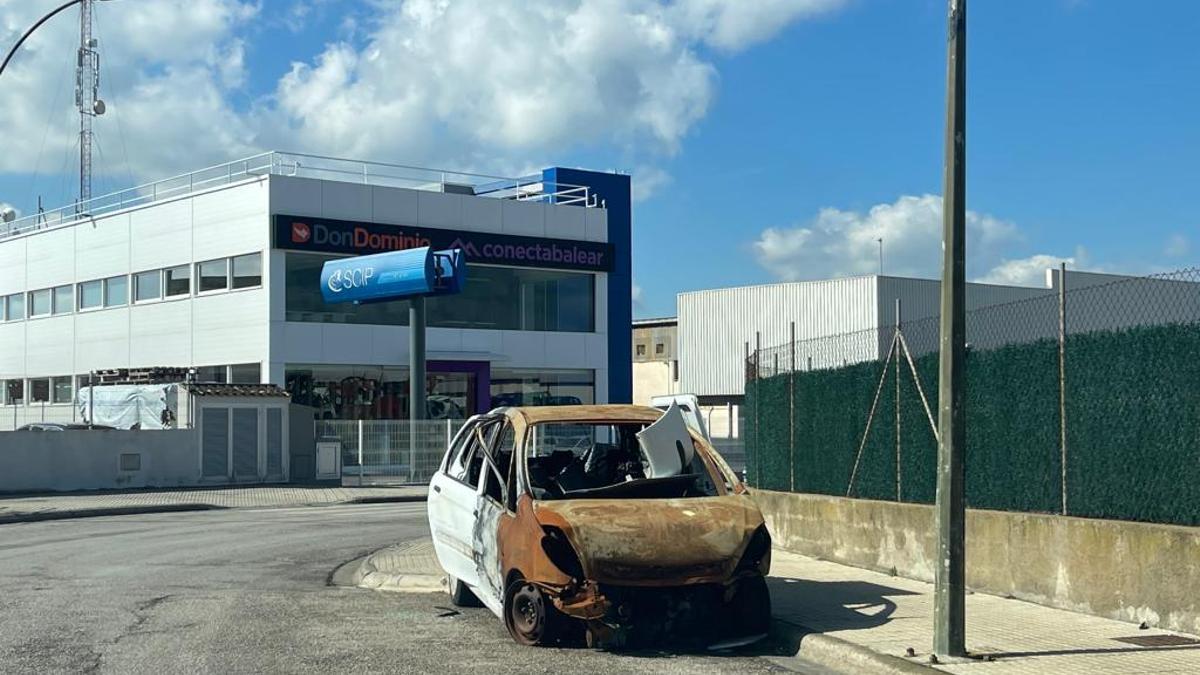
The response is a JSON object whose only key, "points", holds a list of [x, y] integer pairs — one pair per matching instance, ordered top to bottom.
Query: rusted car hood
{"points": [[655, 542]]}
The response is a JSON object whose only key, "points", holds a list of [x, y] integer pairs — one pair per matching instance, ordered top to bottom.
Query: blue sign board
{"points": [[393, 276]]}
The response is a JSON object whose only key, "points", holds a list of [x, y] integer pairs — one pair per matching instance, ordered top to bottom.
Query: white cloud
{"points": [[736, 24], [474, 84], [648, 180], [841, 243], [1178, 245], [1029, 271], [637, 295]]}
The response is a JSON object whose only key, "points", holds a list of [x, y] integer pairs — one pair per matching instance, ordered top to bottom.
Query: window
{"points": [[247, 270], [213, 275], [179, 280], [147, 286], [116, 291], [91, 294], [496, 298], [64, 299], [39, 303], [15, 305], [658, 349], [641, 350], [245, 373], [211, 374], [517, 387], [62, 389], [39, 390], [14, 391]]}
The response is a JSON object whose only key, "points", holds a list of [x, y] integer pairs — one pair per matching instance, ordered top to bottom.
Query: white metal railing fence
{"points": [[529, 188], [382, 451]]}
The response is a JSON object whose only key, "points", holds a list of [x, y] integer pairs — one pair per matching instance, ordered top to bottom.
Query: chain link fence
{"points": [[1082, 401], [376, 452]]}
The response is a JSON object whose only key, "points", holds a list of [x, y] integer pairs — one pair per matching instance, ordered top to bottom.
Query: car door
{"points": [[452, 504], [491, 508]]}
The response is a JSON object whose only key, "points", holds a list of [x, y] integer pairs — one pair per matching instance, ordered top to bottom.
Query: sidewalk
{"points": [[84, 504], [887, 615]]}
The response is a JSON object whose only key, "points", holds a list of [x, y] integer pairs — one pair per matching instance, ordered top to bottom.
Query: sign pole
{"points": [[416, 375], [949, 632]]}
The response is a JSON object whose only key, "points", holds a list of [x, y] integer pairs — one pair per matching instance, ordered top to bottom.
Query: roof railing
{"points": [[528, 188]]}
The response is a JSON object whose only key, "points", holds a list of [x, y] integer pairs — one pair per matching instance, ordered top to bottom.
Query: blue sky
{"points": [[772, 140]]}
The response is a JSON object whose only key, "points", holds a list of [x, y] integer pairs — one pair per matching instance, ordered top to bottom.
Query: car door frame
{"points": [[452, 506], [487, 544]]}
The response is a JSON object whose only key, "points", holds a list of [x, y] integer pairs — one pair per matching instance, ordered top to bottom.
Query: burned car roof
{"points": [[585, 413]]}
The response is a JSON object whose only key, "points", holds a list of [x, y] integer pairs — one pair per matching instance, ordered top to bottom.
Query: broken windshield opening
{"points": [[579, 460]]}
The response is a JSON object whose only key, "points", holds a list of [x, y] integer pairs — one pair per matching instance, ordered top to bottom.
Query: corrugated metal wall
{"points": [[714, 325]]}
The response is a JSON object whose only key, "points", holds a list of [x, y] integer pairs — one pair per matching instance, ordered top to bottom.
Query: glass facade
{"points": [[213, 275], [147, 286], [497, 298], [378, 392]]}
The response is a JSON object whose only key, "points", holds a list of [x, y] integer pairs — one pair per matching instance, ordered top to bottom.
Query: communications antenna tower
{"points": [[87, 99]]}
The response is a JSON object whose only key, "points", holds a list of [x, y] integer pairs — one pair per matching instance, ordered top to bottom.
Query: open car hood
{"points": [[655, 542]]}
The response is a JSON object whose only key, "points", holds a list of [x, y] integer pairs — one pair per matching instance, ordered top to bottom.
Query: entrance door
{"points": [[457, 389]]}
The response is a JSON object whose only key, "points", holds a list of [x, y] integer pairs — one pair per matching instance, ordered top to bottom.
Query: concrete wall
{"points": [[33, 461], [1121, 570]]}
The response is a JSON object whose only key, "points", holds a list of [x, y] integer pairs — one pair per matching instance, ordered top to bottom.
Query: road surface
{"points": [[247, 590]]}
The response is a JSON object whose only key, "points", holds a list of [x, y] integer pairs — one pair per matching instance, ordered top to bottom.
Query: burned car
{"points": [[615, 525]]}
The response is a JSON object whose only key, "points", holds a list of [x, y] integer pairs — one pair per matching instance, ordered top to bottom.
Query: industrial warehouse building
{"points": [[218, 271], [849, 320]]}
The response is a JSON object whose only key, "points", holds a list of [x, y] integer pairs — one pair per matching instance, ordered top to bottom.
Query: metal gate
{"points": [[381, 451]]}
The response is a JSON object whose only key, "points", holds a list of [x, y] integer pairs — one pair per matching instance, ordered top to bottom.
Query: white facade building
{"points": [[218, 271]]}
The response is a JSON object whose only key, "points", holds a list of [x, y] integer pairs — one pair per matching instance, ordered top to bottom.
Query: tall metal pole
{"points": [[87, 87], [898, 347], [416, 359], [416, 374], [1062, 378], [792, 408], [949, 635]]}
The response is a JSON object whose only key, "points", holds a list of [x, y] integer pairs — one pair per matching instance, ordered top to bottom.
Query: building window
{"points": [[247, 270], [213, 275], [179, 280], [147, 286], [116, 291], [91, 294], [495, 298], [64, 299], [39, 303], [15, 307], [658, 349], [641, 350], [245, 373], [212, 374], [517, 387], [62, 389], [39, 390], [14, 391]]}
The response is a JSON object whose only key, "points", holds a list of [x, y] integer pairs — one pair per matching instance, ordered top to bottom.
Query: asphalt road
{"points": [[248, 591]]}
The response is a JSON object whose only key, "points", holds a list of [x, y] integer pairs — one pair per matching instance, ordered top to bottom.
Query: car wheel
{"points": [[460, 593], [751, 606], [529, 615]]}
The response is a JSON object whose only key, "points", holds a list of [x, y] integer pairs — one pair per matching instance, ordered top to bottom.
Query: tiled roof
{"points": [[217, 389]]}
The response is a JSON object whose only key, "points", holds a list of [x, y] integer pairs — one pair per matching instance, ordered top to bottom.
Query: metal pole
{"points": [[898, 347], [416, 361], [1062, 378], [91, 398], [757, 405], [792, 409], [360, 453], [949, 634]]}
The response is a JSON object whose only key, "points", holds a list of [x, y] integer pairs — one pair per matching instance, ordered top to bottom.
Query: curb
{"points": [[387, 500], [71, 514], [362, 573], [845, 656]]}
